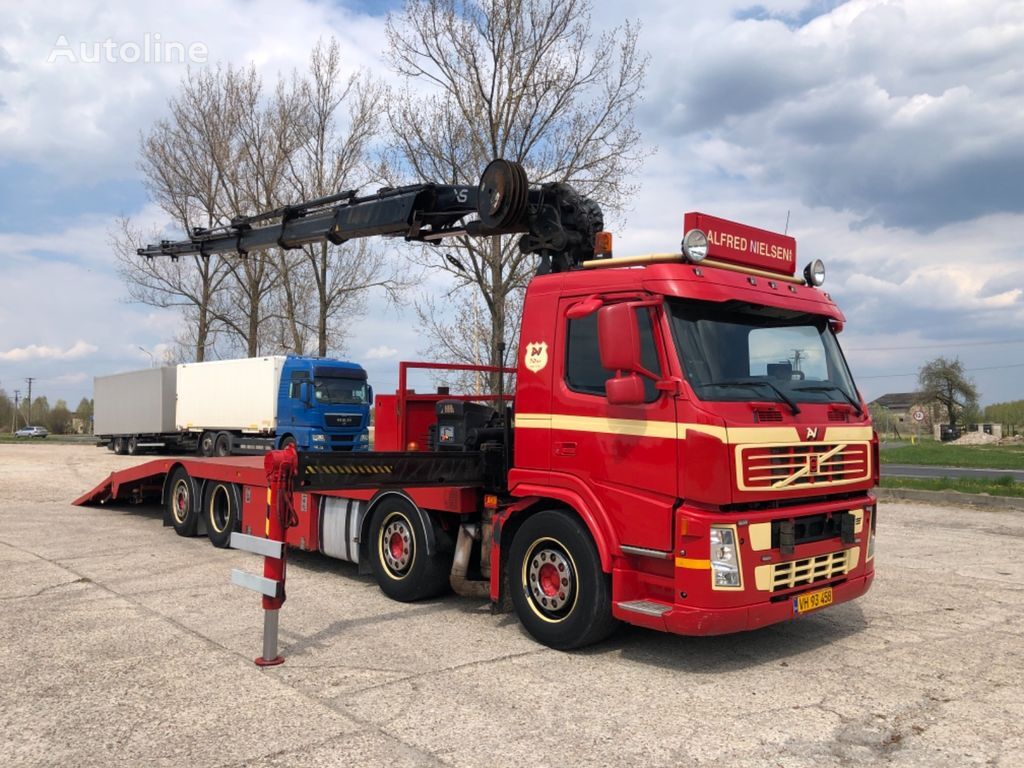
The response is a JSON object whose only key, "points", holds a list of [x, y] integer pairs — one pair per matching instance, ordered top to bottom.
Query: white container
{"points": [[236, 395], [135, 402]]}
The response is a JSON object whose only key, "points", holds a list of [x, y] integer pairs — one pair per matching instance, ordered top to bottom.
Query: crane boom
{"points": [[556, 222]]}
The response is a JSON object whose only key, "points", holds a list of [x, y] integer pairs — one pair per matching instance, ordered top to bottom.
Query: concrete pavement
{"points": [[124, 644]]}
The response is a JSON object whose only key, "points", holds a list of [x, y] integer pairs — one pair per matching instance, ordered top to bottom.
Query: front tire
{"points": [[183, 503], [222, 509], [398, 554], [560, 593]]}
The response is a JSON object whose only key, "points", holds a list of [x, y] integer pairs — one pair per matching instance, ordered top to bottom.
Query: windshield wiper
{"points": [[757, 383], [835, 388]]}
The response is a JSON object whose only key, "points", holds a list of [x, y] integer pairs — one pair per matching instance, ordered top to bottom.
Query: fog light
{"points": [[695, 245], [814, 273], [725, 564]]}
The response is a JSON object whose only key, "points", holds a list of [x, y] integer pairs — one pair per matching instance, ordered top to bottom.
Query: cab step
{"points": [[646, 607]]}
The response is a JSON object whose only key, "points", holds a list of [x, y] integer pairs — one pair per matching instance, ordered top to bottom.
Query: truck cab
{"points": [[324, 405], [701, 419]]}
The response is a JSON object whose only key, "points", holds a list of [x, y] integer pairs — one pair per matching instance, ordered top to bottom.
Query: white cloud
{"points": [[76, 351], [383, 352]]}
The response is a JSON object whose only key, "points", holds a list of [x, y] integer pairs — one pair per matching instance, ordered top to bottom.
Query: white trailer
{"points": [[229, 395]]}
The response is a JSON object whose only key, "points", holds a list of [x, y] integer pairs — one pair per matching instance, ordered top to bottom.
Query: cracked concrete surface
{"points": [[123, 644]]}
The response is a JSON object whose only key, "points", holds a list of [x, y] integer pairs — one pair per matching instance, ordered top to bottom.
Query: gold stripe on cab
{"points": [[674, 430]]}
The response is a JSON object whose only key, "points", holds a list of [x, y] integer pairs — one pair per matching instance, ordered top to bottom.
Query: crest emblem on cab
{"points": [[536, 355]]}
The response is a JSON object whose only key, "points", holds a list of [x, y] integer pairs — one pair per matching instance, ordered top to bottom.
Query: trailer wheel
{"points": [[206, 443], [222, 445], [133, 446], [119, 447], [182, 503], [222, 508], [398, 554], [560, 593]]}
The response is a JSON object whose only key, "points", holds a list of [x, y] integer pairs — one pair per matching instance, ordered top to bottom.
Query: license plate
{"points": [[812, 601]]}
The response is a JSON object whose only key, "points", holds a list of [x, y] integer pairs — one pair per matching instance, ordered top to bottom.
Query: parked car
{"points": [[31, 432]]}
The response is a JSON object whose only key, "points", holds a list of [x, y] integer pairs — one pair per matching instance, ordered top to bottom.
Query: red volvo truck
{"points": [[684, 449]]}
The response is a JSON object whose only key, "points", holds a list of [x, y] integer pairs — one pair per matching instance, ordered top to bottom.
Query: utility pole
{"points": [[30, 379], [14, 416]]}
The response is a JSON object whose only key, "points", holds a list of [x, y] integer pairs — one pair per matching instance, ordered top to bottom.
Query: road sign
{"points": [[918, 415]]}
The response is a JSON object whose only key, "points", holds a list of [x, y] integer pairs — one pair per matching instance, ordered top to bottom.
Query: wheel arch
{"points": [[382, 496], [558, 498]]}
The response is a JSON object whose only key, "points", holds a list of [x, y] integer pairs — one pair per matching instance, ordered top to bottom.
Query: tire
{"points": [[207, 441], [286, 441], [222, 444], [110, 446], [119, 446], [133, 446], [183, 502], [222, 509], [398, 554], [560, 593]]}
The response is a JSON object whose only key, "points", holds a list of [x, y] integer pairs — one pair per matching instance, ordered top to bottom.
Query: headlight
{"points": [[695, 245], [814, 273], [364, 436], [319, 438], [725, 562]]}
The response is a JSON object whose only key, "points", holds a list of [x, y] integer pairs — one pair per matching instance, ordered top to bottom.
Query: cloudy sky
{"points": [[890, 133]]}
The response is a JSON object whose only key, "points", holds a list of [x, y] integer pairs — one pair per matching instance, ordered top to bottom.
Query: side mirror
{"points": [[618, 338], [625, 390], [305, 393], [369, 395]]}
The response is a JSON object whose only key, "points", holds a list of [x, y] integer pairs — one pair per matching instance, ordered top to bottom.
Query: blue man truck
{"points": [[227, 407]]}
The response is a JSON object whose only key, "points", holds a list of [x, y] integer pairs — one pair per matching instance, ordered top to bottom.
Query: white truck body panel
{"points": [[237, 395], [135, 402]]}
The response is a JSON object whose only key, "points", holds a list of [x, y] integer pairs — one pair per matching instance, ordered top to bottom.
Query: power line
{"points": [[932, 346], [966, 370]]}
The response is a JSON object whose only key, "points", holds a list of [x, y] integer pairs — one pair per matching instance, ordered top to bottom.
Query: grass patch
{"points": [[942, 455], [1000, 486]]}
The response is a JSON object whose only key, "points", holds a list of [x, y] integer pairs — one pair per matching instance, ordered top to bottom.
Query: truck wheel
{"points": [[207, 441], [286, 441], [222, 445], [133, 446], [119, 447], [182, 503], [222, 507], [398, 554], [560, 593]]}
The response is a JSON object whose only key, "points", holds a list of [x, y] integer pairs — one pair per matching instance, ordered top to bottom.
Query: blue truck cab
{"points": [[323, 405]]}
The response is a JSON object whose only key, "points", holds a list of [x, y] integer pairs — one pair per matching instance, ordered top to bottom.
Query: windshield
{"points": [[738, 351], [334, 391]]}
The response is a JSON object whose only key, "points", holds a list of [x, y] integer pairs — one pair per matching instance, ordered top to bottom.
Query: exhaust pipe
{"points": [[460, 566]]}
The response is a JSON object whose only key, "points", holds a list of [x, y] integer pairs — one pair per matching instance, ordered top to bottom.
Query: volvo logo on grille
{"points": [[812, 433]]}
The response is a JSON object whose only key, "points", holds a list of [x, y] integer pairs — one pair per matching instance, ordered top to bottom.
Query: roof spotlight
{"points": [[695, 245], [814, 273]]}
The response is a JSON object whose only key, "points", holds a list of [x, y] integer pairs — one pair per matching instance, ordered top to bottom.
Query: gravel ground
{"points": [[123, 644]]}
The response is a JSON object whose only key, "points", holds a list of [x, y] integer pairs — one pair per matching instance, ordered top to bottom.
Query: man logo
{"points": [[536, 356], [812, 433]]}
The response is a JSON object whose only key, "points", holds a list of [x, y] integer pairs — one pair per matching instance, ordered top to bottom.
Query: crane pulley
{"points": [[556, 222]]}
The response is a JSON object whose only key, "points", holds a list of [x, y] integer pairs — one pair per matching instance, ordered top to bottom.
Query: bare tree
{"points": [[522, 80], [341, 119], [946, 382]]}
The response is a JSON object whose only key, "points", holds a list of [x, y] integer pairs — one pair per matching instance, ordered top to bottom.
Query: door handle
{"points": [[565, 449]]}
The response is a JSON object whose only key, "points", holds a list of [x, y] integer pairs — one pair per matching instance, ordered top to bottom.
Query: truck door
{"points": [[625, 453]]}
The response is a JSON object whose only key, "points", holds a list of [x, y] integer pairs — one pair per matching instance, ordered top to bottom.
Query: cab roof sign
{"points": [[737, 243]]}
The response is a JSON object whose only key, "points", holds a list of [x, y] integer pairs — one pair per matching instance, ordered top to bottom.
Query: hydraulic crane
{"points": [[557, 223]]}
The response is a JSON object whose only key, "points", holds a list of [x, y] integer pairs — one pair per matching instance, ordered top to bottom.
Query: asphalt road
{"points": [[914, 470], [123, 644]]}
